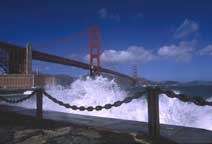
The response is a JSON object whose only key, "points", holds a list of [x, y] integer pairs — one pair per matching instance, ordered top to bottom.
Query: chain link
{"points": [[18, 98], [185, 98], [97, 108]]}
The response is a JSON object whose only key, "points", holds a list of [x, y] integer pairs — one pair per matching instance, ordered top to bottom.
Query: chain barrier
{"points": [[10, 95], [16, 98], [185, 98], [97, 108]]}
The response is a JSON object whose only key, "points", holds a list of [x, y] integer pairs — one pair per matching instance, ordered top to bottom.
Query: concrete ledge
{"points": [[169, 133]]}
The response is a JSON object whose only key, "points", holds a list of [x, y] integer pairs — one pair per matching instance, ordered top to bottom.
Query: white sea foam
{"points": [[101, 91], [28, 92]]}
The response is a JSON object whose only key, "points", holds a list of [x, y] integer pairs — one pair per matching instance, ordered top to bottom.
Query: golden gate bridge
{"points": [[16, 59]]}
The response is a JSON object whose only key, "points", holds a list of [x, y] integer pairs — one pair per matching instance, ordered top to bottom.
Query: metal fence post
{"points": [[39, 100], [153, 113]]}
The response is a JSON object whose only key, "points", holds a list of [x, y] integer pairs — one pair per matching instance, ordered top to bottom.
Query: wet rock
{"points": [[25, 131], [57, 132], [90, 133], [28, 136], [73, 139]]}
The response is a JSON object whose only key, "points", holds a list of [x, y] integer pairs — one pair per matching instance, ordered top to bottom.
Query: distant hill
{"points": [[66, 80], [143, 81], [198, 82]]}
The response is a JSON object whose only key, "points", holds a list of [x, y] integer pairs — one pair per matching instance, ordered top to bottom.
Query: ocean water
{"points": [[99, 91]]}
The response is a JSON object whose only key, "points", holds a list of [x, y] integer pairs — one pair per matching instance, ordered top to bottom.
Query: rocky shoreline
{"points": [[19, 126], [19, 129]]}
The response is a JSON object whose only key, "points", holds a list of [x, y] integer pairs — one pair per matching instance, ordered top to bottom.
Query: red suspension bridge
{"points": [[18, 60]]}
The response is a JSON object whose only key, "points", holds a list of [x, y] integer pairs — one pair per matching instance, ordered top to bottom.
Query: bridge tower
{"points": [[94, 43]]}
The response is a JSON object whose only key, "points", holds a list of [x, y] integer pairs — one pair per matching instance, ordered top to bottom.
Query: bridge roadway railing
{"points": [[152, 93]]}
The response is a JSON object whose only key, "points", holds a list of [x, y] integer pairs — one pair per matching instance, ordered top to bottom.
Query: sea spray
{"points": [[100, 91]]}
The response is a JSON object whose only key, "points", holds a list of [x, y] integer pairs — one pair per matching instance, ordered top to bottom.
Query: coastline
{"points": [[18, 125]]}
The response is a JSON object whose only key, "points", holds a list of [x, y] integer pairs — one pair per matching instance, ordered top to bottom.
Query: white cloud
{"points": [[104, 14], [187, 28], [184, 51], [206, 51], [181, 52], [130, 55]]}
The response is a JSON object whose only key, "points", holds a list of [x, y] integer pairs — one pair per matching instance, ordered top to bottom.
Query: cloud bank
{"points": [[206, 51], [181, 52], [129, 55]]}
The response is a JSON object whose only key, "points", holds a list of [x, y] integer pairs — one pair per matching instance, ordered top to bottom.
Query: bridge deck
{"points": [[41, 56], [176, 134]]}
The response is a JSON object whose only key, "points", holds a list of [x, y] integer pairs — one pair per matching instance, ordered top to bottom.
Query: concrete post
{"points": [[39, 100], [153, 113]]}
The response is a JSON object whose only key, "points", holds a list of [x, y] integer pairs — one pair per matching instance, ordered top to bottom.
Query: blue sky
{"points": [[167, 39]]}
